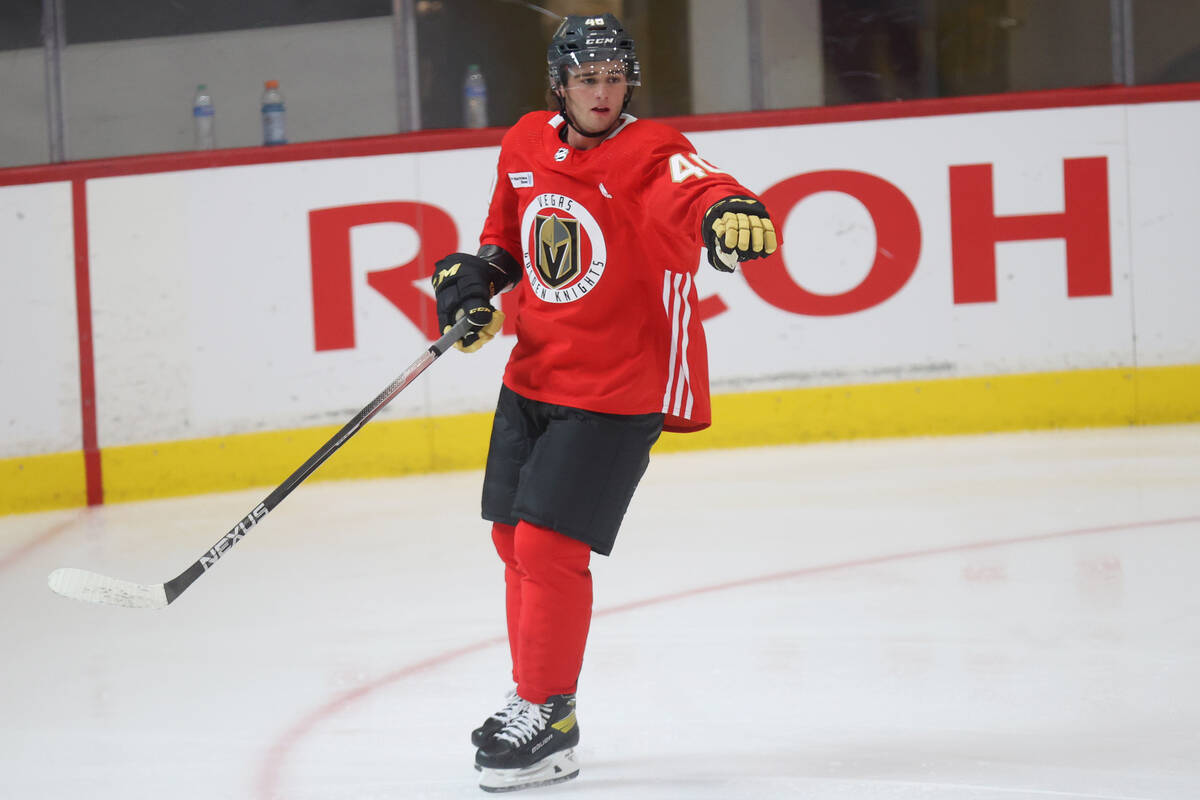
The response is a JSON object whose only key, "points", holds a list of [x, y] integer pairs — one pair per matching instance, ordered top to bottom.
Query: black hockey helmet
{"points": [[582, 39]]}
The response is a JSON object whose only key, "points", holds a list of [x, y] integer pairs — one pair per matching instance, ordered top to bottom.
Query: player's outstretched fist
{"points": [[738, 229]]}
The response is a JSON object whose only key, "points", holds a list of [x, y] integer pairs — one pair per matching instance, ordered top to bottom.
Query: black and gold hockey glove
{"points": [[737, 229], [463, 285]]}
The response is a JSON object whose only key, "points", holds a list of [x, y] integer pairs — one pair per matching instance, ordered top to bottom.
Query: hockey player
{"points": [[595, 224]]}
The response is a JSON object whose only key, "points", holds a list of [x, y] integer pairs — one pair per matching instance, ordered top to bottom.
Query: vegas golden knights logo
{"points": [[558, 249]]}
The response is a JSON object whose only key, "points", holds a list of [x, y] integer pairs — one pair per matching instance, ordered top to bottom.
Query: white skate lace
{"points": [[510, 708], [529, 720]]}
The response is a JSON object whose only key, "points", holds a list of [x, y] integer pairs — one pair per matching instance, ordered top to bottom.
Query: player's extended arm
{"points": [[737, 229], [464, 285]]}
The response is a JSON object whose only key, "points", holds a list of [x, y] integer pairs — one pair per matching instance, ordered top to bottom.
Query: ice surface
{"points": [[976, 618]]}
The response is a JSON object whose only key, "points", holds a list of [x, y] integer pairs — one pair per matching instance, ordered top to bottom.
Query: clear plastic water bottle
{"points": [[474, 99], [204, 119], [274, 121]]}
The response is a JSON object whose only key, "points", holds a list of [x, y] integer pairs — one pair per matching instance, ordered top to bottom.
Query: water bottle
{"points": [[474, 99], [203, 119], [273, 120]]}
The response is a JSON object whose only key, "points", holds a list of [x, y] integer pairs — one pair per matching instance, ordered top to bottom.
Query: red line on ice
{"points": [[42, 538], [276, 756]]}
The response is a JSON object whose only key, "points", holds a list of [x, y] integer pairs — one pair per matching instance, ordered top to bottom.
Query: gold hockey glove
{"points": [[737, 229], [463, 285], [487, 321]]}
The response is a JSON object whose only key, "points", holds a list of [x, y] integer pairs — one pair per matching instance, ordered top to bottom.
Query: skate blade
{"points": [[554, 768]]}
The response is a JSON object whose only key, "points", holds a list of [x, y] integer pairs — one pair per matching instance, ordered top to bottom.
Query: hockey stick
{"points": [[91, 587]]}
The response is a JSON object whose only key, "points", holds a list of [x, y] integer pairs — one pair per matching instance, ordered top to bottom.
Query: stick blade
{"points": [[90, 587]]}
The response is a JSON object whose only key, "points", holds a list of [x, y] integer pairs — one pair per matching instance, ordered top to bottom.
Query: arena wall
{"points": [[199, 322]]}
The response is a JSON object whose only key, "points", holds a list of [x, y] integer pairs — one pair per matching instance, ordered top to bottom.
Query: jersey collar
{"points": [[558, 121]]}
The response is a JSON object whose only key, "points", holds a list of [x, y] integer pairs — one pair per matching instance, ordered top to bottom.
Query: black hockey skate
{"points": [[492, 725], [536, 747]]}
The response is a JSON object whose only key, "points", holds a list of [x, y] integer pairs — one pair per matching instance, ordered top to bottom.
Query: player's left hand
{"points": [[737, 229]]}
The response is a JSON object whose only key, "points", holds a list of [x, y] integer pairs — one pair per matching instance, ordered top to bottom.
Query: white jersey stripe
{"points": [[672, 312], [686, 377], [677, 396], [683, 401]]}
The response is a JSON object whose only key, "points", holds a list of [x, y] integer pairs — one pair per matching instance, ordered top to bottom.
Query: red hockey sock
{"points": [[504, 537], [554, 611]]}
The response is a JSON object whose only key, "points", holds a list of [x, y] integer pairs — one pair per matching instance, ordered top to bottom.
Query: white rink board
{"points": [[1164, 196], [829, 242], [203, 301], [39, 340], [224, 342]]}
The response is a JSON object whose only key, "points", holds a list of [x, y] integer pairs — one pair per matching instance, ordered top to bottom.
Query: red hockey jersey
{"points": [[606, 317]]}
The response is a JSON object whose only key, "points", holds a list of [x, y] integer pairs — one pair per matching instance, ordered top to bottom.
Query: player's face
{"points": [[594, 94]]}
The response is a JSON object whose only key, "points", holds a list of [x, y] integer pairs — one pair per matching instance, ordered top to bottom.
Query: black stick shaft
{"points": [[177, 585]]}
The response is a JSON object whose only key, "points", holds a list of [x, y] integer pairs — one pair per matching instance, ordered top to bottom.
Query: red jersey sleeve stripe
{"points": [[685, 373], [677, 397]]}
